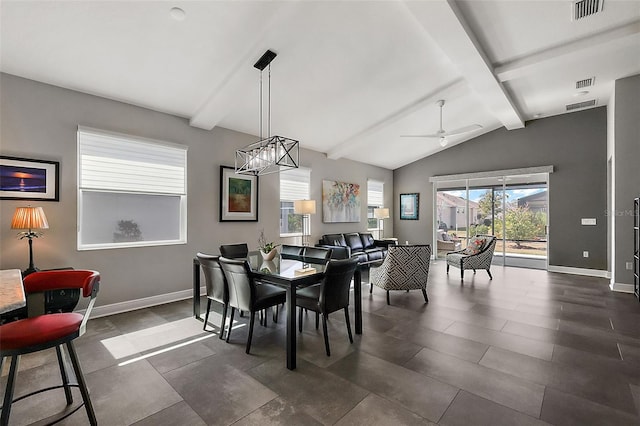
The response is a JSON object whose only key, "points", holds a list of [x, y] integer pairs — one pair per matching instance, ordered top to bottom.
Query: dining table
{"points": [[290, 274], [11, 290]]}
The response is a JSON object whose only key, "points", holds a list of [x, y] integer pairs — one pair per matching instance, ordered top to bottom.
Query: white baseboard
{"points": [[579, 271], [621, 288], [146, 302]]}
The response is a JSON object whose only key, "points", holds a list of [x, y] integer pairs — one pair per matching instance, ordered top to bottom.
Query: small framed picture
{"points": [[28, 179], [238, 196], [409, 206]]}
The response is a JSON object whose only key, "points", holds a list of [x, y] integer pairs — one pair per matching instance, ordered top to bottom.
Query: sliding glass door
{"points": [[514, 208]]}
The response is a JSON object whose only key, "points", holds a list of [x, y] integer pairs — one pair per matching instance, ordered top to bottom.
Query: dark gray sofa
{"points": [[360, 245]]}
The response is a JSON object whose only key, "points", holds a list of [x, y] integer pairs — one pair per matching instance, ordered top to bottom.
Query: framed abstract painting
{"points": [[238, 196], [340, 202], [409, 206]]}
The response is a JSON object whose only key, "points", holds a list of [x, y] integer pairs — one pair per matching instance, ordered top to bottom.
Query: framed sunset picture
{"points": [[238, 196]]}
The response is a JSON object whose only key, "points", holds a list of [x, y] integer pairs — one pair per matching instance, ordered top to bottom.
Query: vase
{"points": [[270, 255]]}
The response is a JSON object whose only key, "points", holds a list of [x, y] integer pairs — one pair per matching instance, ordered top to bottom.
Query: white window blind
{"points": [[112, 162], [295, 184], [375, 193]]}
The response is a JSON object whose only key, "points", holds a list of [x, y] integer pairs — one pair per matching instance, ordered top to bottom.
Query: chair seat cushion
{"points": [[269, 295], [308, 297], [38, 330]]}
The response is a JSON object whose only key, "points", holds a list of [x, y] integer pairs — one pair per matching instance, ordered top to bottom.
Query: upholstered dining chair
{"points": [[234, 251], [291, 252], [316, 254], [477, 255], [405, 268], [216, 284], [246, 295], [330, 296], [42, 331]]}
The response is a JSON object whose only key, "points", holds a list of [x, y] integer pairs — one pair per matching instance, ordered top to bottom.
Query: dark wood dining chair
{"points": [[234, 251], [216, 284], [246, 295], [330, 296], [44, 331]]}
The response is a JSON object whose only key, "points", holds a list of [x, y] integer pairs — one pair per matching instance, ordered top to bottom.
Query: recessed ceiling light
{"points": [[177, 14]]}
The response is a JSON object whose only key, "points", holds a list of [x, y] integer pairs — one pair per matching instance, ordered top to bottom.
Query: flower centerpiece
{"points": [[267, 249]]}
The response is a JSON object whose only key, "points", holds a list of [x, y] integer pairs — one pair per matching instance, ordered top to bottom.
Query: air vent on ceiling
{"points": [[583, 8], [587, 82], [580, 105]]}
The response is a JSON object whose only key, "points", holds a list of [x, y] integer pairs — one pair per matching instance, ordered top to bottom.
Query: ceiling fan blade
{"points": [[464, 129], [434, 135]]}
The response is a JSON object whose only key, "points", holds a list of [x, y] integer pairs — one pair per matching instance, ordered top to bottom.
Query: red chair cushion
{"points": [[38, 330]]}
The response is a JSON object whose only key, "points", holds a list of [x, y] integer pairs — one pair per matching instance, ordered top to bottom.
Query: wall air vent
{"points": [[583, 8], [587, 82], [580, 105]]}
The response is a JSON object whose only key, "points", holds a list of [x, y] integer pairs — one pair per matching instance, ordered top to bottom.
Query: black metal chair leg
{"points": [[447, 269], [462, 274], [490, 276], [371, 288], [424, 293], [388, 300], [233, 311], [275, 314], [206, 316], [317, 319], [346, 319], [224, 320], [299, 320], [251, 323], [326, 335], [65, 378], [82, 384], [8, 393]]}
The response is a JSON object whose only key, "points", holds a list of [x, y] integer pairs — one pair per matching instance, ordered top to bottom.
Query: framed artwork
{"points": [[29, 179], [238, 196], [340, 202], [409, 206]]}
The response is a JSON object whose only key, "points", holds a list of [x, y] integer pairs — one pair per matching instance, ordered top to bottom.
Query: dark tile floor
{"points": [[529, 347]]}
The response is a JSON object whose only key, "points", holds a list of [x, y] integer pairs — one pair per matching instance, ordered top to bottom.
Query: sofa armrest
{"points": [[384, 243], [337, 252]]}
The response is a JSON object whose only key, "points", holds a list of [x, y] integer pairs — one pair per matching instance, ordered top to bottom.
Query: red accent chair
{"points": [[43, 331]]}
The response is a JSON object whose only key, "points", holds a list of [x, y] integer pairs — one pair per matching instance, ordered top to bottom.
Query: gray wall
{"points": [[40, 121], [575, 144], [627, 176]]}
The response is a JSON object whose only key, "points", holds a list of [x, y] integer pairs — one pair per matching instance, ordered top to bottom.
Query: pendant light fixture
{"points": [[273, 153]]}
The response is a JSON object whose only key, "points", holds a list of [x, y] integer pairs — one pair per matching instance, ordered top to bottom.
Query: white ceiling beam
{"points": [[445, 23], [532, 63], [223, 97], [358, 141]]}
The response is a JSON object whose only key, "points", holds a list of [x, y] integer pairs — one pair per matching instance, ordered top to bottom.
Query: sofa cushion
{"points": [[334, 240], [354, 241], [367, 241], [375, 254], [361, 256]]}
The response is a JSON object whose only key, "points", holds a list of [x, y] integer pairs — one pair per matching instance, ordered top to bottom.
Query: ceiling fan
{"points": [[441, 133]]}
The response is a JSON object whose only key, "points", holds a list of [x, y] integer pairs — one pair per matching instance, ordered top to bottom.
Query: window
{"points": [[294, 185], [131, 191], [375, 199]]}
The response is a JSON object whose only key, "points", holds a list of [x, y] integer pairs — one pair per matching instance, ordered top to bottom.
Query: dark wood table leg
{"points": [[196, 288], [357, 296], [291, 327]]}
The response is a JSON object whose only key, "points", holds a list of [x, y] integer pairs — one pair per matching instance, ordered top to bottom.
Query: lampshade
{"points": [[304, 207], [381, 213], [29, 218]]}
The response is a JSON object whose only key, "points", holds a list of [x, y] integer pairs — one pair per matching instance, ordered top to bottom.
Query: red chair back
{"points": [[42, 281]]}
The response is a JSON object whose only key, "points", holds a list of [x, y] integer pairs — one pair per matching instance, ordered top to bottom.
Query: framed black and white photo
{"points": [[28, 179], [238, 196]]}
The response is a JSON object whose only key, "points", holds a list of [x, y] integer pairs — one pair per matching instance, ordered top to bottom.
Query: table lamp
{"points": [[306, 208], [381, 214], [29, 218]]}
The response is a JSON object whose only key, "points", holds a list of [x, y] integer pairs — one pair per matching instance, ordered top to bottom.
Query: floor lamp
{"points": [[306, 208], [381, 214], [29, 218]]}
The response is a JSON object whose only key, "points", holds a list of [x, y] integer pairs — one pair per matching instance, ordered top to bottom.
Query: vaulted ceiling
{"points": [[350, 77]]}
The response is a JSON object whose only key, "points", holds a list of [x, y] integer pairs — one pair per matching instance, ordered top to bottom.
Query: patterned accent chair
{"points": [[467, 259], [404, 268]]}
